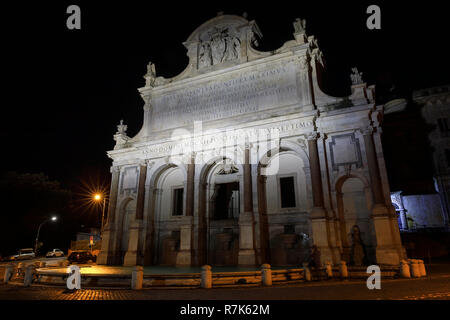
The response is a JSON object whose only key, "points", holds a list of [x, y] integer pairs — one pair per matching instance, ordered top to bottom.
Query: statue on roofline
{"points": [[299, 25], [150, 76], [356, 77]]}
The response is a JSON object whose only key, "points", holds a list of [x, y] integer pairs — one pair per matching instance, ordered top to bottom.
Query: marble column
{"points": [[319, 220], [387, 250], [106, 255], [134, 255], [184, 256], [246, 256]]}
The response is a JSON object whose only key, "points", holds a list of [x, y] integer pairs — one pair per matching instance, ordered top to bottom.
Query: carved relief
{"points": [[219, 46], [204, 55], [227, 167]]}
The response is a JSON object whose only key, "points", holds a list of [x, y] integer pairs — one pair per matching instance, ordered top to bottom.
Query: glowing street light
{"points": [[98, 197], [53, 218]]}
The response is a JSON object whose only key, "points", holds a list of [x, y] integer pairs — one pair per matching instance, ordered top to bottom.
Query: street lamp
{"points": [[98, 197], [53, 218]]}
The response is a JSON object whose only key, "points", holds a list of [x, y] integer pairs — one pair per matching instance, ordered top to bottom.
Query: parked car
{"points": [[54, 253], [24, 254], [81, 257]]}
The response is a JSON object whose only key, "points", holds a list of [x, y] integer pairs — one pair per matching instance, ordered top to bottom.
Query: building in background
{"points": [[430, 210]]}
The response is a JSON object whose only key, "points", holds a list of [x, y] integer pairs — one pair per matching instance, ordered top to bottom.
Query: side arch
{"points": [[354, 203]]}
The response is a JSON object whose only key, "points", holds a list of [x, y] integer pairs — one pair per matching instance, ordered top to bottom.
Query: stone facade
{"points": [[243, 160]]}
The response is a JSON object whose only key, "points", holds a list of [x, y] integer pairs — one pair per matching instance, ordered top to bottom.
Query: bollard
{"points": [[63, 263], [9, 269], [328, 270], [343, 270], [422, 270], [405, 271], [19, 272], [29, 272], [307, 272], [415, 272], [266, 275], [137, 278], [206, 281]]}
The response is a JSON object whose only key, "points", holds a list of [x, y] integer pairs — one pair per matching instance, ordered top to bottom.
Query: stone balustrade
{"points": [[266, 276]]}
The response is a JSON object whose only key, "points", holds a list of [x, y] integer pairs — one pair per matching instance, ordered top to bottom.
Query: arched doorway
{"points": [[354, 202], [220, 205], [169, 207], [287, 207], [126, 216]]}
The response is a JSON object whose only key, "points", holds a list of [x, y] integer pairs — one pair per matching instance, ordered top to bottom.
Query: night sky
{"points": [[66, 90]]}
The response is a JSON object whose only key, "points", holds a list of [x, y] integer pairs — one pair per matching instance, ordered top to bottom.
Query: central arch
{"points": [[220, 203]]}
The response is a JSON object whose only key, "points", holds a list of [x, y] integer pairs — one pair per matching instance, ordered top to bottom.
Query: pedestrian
{"points": [[314, 259]]}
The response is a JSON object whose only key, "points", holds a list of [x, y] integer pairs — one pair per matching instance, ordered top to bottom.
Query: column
{"points": [[374, 173], [330, 212], [403, 219], [319, 221], [150, 232], [387, 251], [106, 255], [134, 255], [246, 255], [184, 257]]}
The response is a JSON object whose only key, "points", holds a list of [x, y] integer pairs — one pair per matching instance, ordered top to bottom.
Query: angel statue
{"points": [[299, 25], [150, 75], [356, 77]]}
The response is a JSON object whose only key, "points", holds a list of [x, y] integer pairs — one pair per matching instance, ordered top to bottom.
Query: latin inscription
{"points": [[246, 93]]}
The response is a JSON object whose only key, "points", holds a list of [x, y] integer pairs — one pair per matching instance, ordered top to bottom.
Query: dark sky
{"points": [[66, 90]]}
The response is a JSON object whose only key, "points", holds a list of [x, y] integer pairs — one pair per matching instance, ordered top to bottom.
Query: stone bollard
{"points": [[63, 263], [9, 270], [328, 270], [343, 270], [422, 270], [405, 271], [19, 272], [29, 272], [307, 272], [415, 272], [266, 275], [137, 278], [206, 281]]}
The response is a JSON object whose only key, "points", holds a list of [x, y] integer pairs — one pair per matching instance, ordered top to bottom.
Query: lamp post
{"points": [[98, 197], [54, 218]]}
